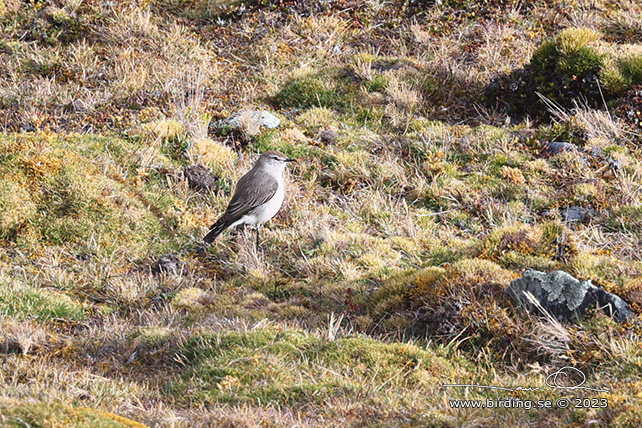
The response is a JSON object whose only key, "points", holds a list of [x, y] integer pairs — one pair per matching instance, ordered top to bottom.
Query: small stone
{"points": [[329, 136], [557, 147], [597, 151], [199, 177], [577, 214], [461, 224], [169, 263]]}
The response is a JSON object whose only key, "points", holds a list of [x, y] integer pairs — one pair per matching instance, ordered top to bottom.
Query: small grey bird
{"points": [[258, 196]]}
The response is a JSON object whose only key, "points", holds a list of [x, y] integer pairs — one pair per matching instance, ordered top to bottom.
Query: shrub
{"points": [[568, 65], [562, 69]]}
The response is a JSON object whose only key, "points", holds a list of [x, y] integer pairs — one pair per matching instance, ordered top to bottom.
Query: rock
{"points": [[252, 118], [269, 121], [329, 136], [556, 147], [597, 151], [199, 177], [577, 214], [461, 224], [169, 263], [565, 297], [613, 305]]}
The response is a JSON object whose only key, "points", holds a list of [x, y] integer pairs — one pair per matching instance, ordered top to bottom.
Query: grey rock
{"points": [[382, 66], [255, 117], [329, 136], [557, 147], [597, 151], [199, 177], [577, 214], [169, 263], [565, 297], [613, 305]]}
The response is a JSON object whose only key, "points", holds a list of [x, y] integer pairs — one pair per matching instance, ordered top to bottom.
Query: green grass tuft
{"points": [[22, 301]]}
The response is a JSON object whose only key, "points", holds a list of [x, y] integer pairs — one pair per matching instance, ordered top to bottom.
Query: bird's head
{"points": [[274, 159]]}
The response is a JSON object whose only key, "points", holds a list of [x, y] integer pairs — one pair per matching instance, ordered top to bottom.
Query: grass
{"points": [[382, 278], [21, 301], [269, 366]]}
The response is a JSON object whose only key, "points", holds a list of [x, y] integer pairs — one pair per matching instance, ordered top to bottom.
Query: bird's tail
{"points": [[216, 229]]}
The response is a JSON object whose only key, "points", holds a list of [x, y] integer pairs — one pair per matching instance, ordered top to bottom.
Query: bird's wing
{"points": [[258, 189]]}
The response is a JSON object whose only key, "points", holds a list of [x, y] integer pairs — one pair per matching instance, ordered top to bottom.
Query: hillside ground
{"points": [[421, 192]]}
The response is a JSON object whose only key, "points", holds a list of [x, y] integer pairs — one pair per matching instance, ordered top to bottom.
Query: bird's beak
{"points": [[291, 160]]}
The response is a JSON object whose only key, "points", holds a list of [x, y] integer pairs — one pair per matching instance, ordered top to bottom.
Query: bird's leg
{"points": [[258, 247]]}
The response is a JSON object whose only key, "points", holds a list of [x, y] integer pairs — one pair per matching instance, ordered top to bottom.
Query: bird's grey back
{"points": [[254, 189]]}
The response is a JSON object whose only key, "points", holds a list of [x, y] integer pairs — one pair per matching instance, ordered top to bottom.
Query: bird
{"points": [[257, 198]]}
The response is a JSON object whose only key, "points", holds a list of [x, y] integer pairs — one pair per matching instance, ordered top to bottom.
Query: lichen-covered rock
{"points": [[251, 119], [565, 297]]}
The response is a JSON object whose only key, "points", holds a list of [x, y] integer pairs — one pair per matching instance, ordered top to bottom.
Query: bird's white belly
{"points": [[264, 212]]}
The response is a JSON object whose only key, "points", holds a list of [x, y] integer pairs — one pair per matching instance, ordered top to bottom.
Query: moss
{"points": [[571, 53], [562, 69], [631, 69], [377, 84], [308, 91], [316, 118], [165, 129], [274, 140], [212, 154], [76, 193], [192, 299], [151, 337], [28, 413]]}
